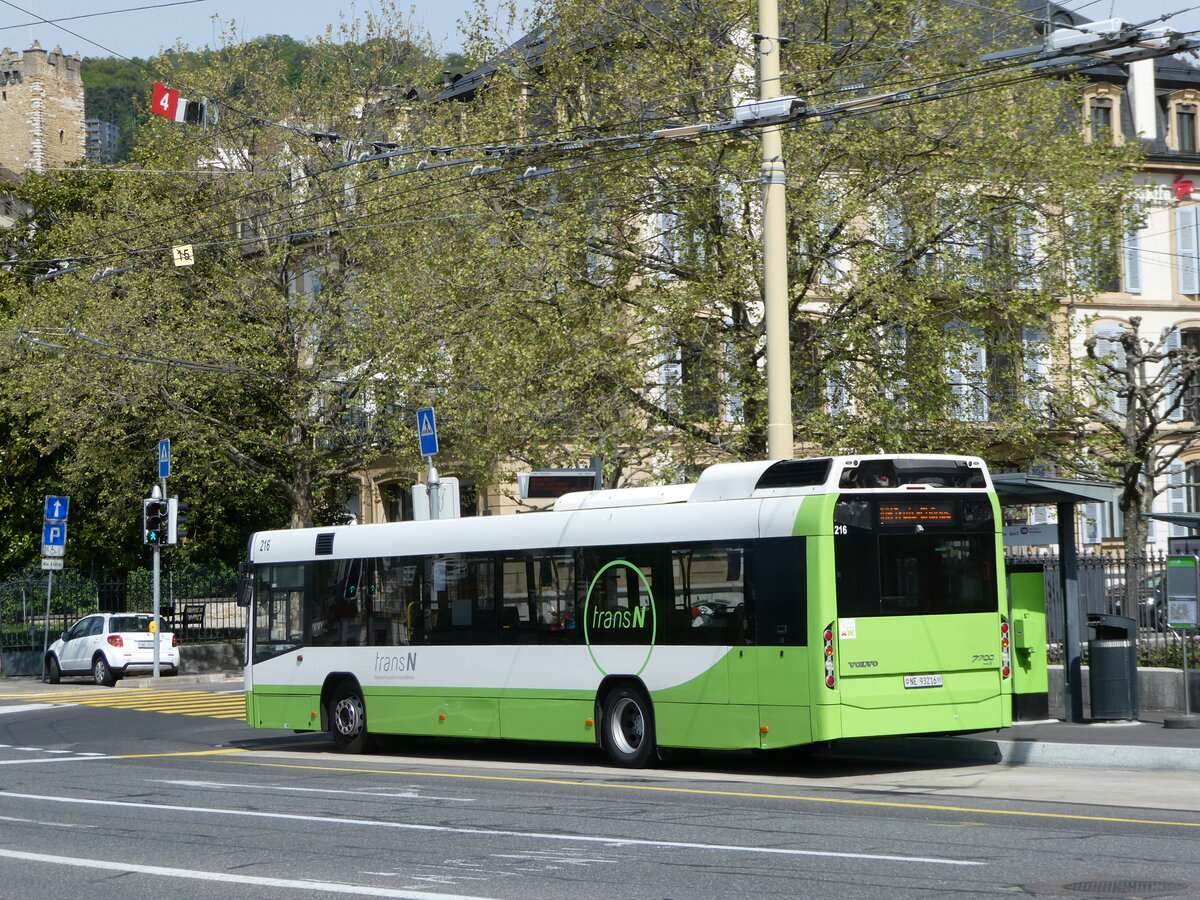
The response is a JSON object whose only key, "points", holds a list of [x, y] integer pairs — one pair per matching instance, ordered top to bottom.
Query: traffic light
{"points": [[177, 519], [154, 521]]}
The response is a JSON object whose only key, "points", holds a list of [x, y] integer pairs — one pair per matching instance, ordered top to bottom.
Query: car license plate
{"points": [[145, 645], [922, 681]]}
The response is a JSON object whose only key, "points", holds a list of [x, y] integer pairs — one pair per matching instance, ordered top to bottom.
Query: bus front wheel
{"points": [[348, 719], [628, 728]]}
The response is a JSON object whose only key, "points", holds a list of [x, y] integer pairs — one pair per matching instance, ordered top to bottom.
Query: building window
{"points": [[1182, 107], [1100, 117], [1185, 127], [1189, 339], [1192, 486]]}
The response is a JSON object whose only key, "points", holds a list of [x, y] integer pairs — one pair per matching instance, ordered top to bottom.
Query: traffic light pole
{"points": [[156, 590]]}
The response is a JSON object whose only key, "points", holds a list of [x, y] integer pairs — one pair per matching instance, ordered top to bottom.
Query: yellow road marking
{"points": [[194, 703], [180, 753], [718, 793]]}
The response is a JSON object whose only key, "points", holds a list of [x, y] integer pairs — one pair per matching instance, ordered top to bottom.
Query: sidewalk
{"points": [[1144, 745]]}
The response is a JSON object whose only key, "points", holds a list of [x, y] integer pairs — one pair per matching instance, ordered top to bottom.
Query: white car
{"points": [[109, 645]]}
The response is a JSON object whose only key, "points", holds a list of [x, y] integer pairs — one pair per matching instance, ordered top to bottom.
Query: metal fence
{"points": [[1113, 583], [197, 605]]}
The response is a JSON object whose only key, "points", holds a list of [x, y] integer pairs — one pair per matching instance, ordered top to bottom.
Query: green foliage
{"points": [[597, 301]]}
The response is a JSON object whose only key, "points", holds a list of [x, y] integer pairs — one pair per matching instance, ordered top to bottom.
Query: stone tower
{"points": [[41, 109]]}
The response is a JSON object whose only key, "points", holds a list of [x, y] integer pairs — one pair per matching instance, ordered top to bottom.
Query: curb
{"points": [[1020, 753]]}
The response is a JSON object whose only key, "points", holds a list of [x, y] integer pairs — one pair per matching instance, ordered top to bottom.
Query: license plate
{"points": [[145, 645], [922, 681]]}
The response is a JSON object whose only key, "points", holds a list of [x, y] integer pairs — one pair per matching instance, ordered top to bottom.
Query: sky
{"points": [[160, 23], [144, 32]]}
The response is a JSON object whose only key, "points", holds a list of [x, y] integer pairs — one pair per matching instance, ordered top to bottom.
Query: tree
{"points": [[931, 240], [514, 250], [261, 358], [1140, 389]]}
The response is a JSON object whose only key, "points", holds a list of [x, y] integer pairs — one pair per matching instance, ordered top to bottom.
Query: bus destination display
{"points": [[917, 513]]}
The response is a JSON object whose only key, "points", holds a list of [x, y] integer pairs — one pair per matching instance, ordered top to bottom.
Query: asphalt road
{"points": [[149, 799]]}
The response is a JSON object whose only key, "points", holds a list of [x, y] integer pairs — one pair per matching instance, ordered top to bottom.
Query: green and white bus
{"points": [[770, 604]]}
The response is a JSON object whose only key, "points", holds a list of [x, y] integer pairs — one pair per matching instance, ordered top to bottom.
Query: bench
{"points": [[193, 616], [180, 620]]}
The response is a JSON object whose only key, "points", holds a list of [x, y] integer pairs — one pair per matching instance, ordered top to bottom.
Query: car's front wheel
{"points": [[53, 672], [102, 673]]}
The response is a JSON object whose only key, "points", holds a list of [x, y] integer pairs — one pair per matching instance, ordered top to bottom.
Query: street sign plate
{"points": [[427, 431], [164, 458], [56, 509], [54, 539], [52, 564]]}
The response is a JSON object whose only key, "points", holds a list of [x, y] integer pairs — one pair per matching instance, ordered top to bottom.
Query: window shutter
{"points": [[1187, 246], [1026, 256], [1133, 261], [1172, 340], [1035, 345], [1109, 346], [895, 348], [966, 368], [670, 373], [837, 390], [735, 410], [1177, 497], [1089, 533]]}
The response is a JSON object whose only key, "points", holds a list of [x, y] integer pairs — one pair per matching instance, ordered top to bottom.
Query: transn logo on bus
{"points": [[619, 618], [398, 663]]}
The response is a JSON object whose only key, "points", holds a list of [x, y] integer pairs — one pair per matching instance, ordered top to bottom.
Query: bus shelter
{"points": [[1018, 489]]}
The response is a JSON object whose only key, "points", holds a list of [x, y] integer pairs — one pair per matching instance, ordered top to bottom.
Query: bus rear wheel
{"points": [[348, 719], [628, 728]]}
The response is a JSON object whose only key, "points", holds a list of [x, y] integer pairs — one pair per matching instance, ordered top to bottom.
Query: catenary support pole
{"points": [[780, 441], [1068, 573]]}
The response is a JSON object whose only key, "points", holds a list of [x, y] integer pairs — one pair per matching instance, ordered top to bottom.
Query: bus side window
{"points": [[781, 591], [537, 597], [709, 597], [462, 601]]}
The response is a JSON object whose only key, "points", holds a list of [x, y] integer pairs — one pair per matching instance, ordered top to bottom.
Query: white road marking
{"points": [[24, 707], [82, 757], [394, 795], [39, 822], [495, 832], [328, 887]]}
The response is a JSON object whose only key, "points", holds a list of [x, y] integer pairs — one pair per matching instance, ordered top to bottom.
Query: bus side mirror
{"points": [[245, 584]]}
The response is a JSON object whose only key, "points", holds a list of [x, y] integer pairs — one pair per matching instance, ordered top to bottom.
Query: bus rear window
{"points": [[915, 574]]}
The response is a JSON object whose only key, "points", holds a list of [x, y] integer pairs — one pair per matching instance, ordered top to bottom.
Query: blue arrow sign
{"points": [[427, 431], [164, 458], [56, 509]]}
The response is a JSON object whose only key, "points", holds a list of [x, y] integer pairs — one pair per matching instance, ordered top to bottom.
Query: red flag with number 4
{"points": [[165, 101]]}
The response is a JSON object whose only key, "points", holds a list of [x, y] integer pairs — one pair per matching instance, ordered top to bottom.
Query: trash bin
{"points": [[1112, 665]]}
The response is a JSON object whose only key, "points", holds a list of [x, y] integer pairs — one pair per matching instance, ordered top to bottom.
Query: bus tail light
{"points": [[1005, 657], [830, 681]]}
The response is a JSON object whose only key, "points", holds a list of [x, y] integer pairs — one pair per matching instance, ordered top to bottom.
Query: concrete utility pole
{"points": [[780, 439]]}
